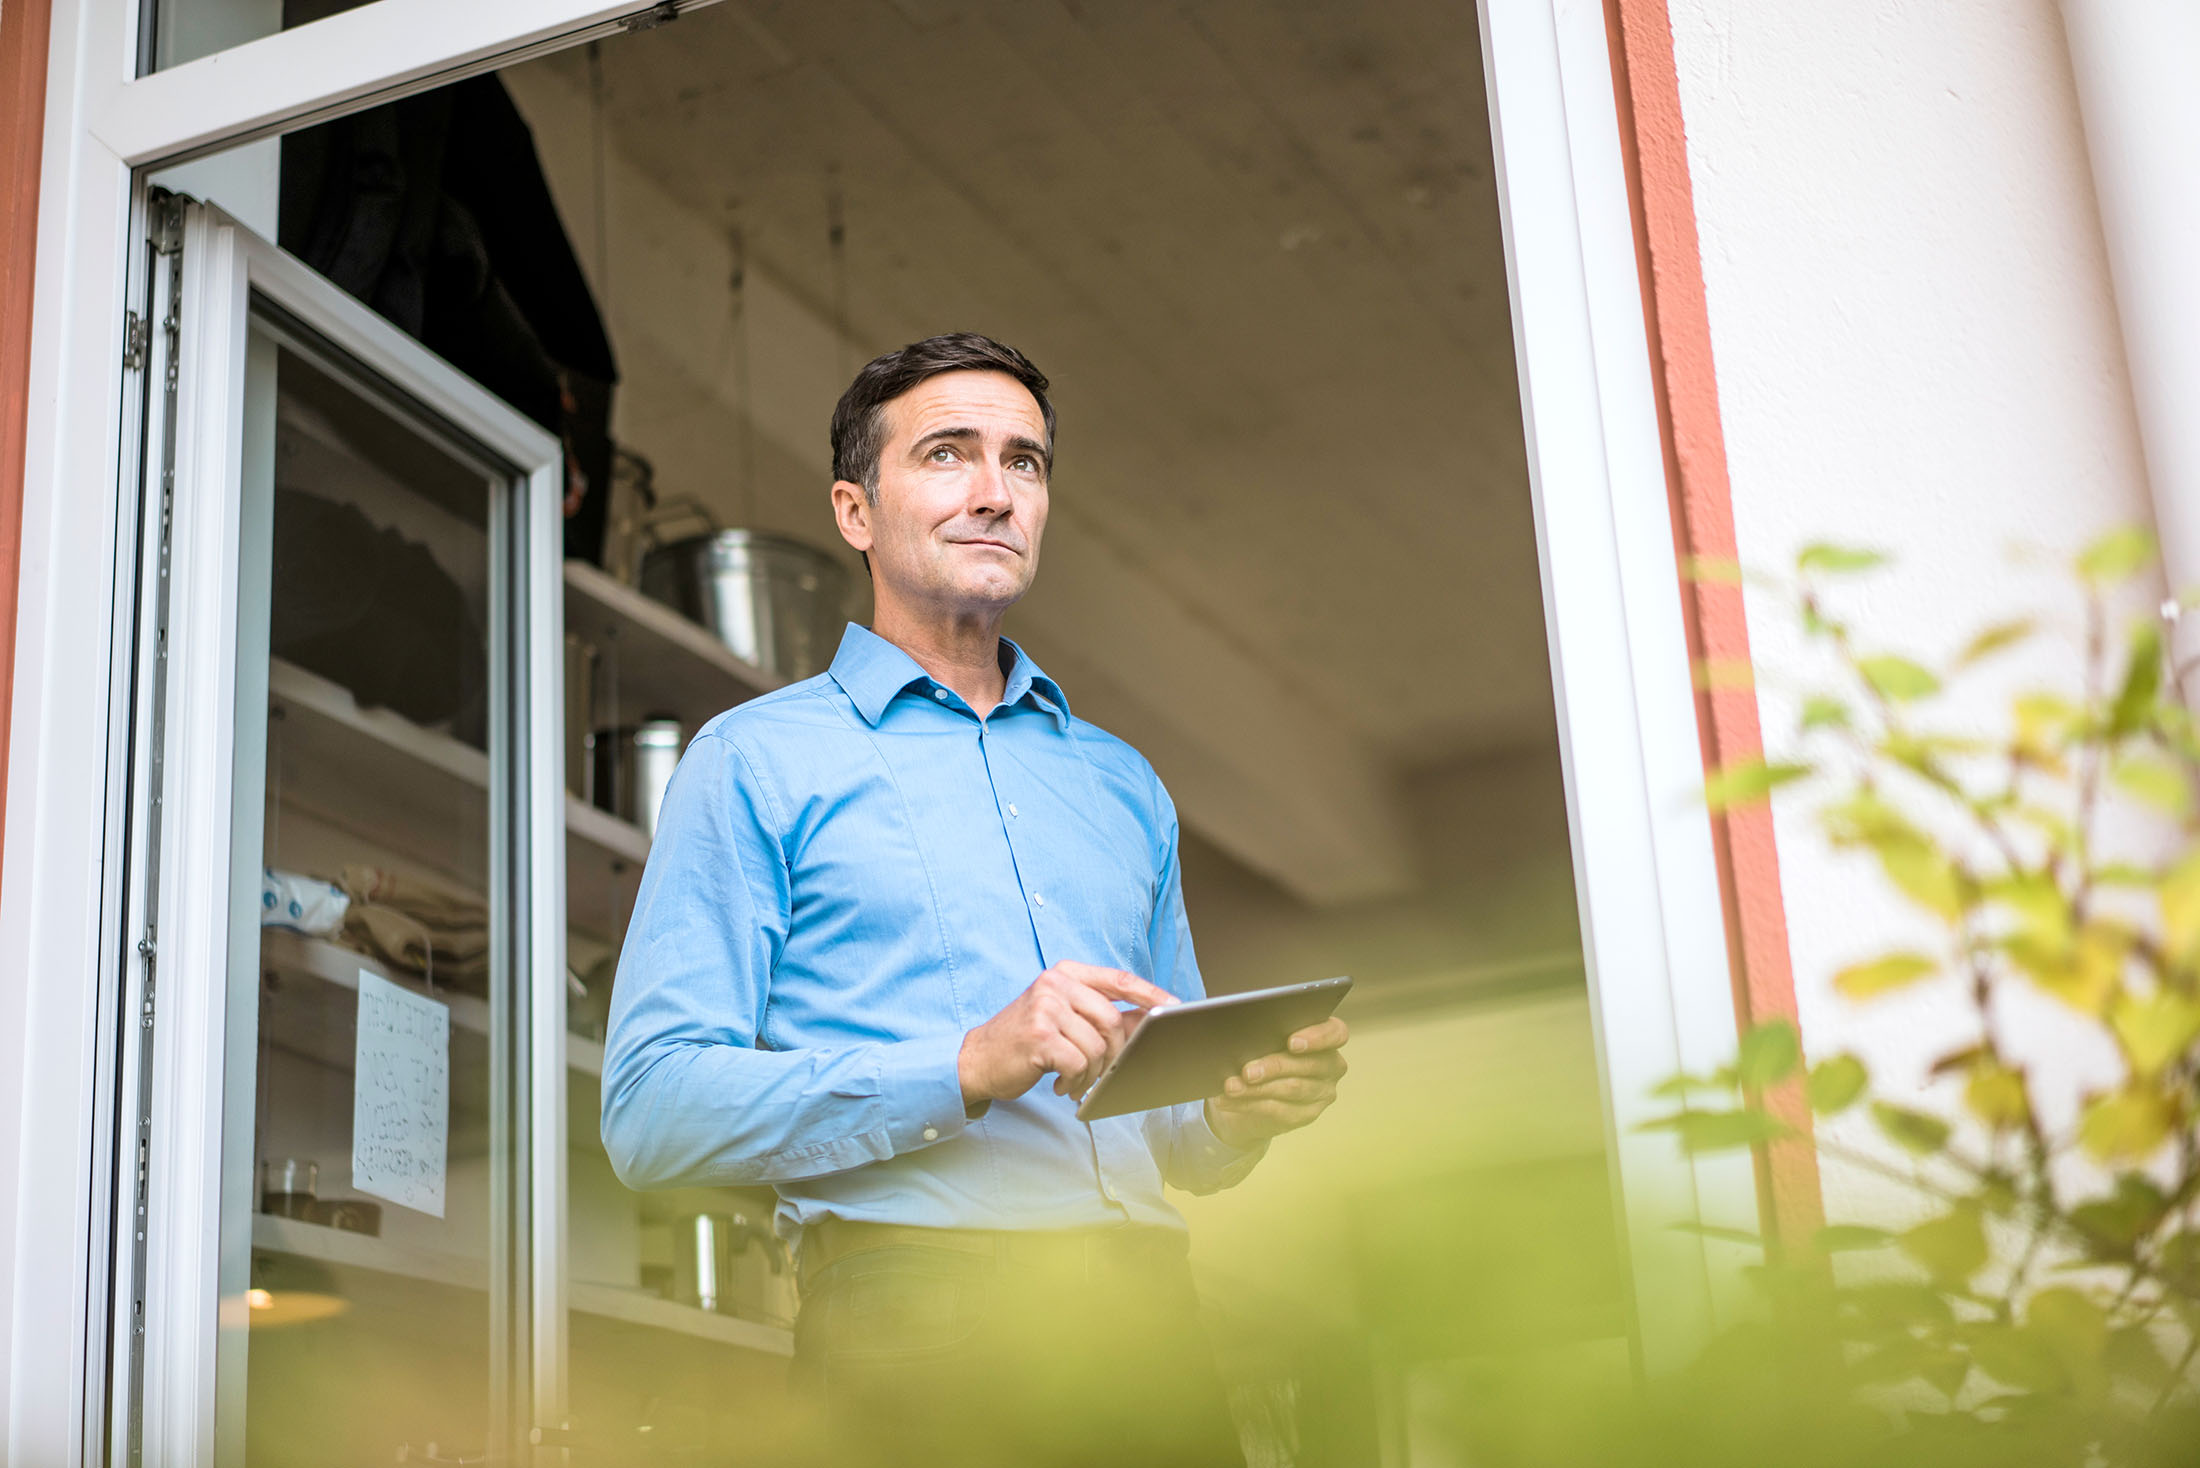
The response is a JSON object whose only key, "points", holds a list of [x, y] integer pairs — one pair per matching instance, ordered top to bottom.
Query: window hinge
{"points": [[664, 12], [137, 337]]}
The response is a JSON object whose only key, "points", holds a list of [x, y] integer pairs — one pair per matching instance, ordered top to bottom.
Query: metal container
{"points": [[776, 602], [581, 663], [633, 765], [732, 1264]]}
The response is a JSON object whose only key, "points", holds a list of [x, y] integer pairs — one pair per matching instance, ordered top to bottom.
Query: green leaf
{"points": [[2116, 556], [1837, 559], [1994, 639], [1897, 679], [2142, 682], [1823, 711], [2045, 720], [2154, 780], [1748, 781], [1909, 858], [1922, 873], [2179, 899], [2038, 905], [2082, 974], [1884, 975], [2156, 1030], [1769, 1054], [1835, 1084], [1680, 1087], [1996, 1095], [2128, 1125], [1720, 1131], [1913, 1131], [2112, 1225], [1845, 1238], [1951, 1247], [1897, 1304], [2075, 1330], [2132, 1353], [2015, 1357]]}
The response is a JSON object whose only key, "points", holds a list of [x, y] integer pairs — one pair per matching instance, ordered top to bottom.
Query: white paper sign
{"points": [[401, 1095]]}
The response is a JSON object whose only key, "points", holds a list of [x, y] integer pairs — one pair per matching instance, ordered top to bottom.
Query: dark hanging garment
{"points": [[433, 210]]}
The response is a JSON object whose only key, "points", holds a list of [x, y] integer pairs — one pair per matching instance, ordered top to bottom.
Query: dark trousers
{"points": [[950, 1348]]}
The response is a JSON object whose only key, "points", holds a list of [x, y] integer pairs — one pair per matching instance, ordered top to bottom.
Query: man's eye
{"points": [[942, 454], [1025, 465]]}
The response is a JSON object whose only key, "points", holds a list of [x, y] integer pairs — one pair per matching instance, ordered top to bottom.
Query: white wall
{"points": [[1916, 349]]}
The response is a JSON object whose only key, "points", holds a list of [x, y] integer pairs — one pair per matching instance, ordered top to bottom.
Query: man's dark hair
{"points": [[859, 422]]}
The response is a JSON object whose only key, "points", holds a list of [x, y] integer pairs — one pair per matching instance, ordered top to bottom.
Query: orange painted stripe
{"points": [[24, 27], [1679, 322]]}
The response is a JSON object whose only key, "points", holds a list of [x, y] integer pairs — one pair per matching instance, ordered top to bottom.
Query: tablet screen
{"points": [[1186, 1052]]}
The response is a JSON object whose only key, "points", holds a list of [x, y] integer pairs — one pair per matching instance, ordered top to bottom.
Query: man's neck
{"points": [[963, 653]]}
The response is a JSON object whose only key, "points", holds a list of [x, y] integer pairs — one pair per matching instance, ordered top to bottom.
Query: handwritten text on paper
{"points": [[401, 1095]]}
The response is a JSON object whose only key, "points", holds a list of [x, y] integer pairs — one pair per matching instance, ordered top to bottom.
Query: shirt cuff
{"points": [[921, 1084], [1213, 1158]]}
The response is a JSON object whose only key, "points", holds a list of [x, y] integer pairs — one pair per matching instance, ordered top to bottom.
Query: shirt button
{"points": [[940, 694], [1012, 807], [1037, 900], [931, 1134]]}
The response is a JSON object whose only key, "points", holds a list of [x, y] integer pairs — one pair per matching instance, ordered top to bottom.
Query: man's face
{"points": [[962, 495]]}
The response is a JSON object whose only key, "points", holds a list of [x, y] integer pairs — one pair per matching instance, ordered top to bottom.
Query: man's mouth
{"points": [[996, 544]]}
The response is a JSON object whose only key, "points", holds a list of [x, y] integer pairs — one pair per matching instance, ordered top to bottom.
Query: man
{"points": [[889, 924]]}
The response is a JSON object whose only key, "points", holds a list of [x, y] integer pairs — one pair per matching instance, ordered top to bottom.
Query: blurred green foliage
{"points": [[2040, 1300]]}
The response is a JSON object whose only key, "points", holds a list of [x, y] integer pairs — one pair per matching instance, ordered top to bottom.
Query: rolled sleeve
{"points": [[690, 1097], [1201, 1162]]}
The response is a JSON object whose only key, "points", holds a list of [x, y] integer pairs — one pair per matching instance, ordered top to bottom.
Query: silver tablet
{"points": [[1186, 1051]]}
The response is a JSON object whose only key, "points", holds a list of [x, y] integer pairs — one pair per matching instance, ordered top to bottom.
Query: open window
{"points": [[407, 617]]}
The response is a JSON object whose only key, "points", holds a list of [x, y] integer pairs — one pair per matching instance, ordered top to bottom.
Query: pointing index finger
{"points": [[1130, 988]]}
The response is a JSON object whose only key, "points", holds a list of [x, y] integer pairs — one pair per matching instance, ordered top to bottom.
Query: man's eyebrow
{"points": [[944, 435], [1018, 444]]}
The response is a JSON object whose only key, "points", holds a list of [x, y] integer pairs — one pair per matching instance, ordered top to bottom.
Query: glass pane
{"points": [[185, 30], [384, 958], [680, 1300]]}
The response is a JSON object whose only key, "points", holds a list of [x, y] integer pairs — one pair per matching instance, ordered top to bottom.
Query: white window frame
{"points": [[1653, 929]]}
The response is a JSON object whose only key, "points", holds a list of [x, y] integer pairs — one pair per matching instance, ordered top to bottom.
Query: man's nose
{"points": [[989, 494]]}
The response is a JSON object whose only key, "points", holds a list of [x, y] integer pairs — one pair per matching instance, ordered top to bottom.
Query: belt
{"points": [[1084, 1252]]}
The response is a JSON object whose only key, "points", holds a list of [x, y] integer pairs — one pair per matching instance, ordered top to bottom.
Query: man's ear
{"points": [[852, 513]]}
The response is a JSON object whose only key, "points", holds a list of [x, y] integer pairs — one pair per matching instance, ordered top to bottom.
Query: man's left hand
{"points": [[1281, 1093]]}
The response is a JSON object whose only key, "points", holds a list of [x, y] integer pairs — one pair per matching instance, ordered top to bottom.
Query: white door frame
{"points": [[1652, 923]]}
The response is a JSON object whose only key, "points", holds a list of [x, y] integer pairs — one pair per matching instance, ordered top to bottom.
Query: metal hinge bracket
{"points": [[664, 12], [137, 336]]}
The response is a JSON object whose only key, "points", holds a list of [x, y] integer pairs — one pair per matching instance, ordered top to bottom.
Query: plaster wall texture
{"points": [[1917, 350]]}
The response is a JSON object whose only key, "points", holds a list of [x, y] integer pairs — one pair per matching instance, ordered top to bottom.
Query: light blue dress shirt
{"points": [[850, 873]]}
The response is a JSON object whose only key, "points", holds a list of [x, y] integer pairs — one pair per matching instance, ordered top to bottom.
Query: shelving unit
{"points": [[656, 662], [402, 793], [423, 793], [295, 955], [359, 1263]]}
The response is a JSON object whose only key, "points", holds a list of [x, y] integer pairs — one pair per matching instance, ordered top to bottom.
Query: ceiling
{"points": [[1256, 246]]}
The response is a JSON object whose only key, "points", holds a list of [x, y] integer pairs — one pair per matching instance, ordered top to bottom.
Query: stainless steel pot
{"points": [[776, 602], [633, 765]]}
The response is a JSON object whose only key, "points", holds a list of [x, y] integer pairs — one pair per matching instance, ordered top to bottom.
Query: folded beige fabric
{"points": [[414, 924]]}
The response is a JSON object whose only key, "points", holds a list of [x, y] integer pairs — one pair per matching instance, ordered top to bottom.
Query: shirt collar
{"points": [[871, 670]]}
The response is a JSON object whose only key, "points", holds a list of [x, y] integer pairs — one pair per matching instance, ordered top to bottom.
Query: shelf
{"points": [[662, 663], [383, 777], [326, 1032], [343, 1253], [638, 1307]]}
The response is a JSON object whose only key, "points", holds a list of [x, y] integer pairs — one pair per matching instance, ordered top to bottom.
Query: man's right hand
{"points": [[1065, 1025]]}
